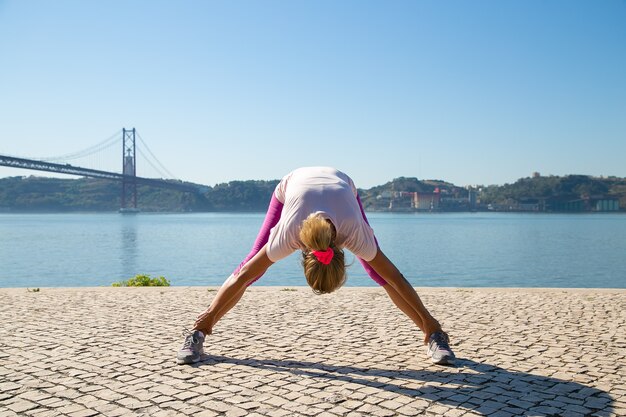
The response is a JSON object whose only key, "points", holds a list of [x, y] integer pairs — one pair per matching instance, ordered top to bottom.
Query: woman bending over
{"points": [[317, 210]]}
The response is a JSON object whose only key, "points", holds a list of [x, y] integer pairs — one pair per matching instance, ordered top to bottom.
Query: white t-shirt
{"points": [[332, 194]]}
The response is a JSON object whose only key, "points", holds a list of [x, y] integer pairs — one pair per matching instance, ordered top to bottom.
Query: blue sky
{"points": [[472, 92]]}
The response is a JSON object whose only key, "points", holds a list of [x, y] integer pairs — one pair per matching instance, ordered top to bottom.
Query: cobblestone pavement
{"points": [[288, 352]]}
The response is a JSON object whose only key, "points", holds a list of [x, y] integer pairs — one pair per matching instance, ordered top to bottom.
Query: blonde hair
{"points": [[318, 234]]}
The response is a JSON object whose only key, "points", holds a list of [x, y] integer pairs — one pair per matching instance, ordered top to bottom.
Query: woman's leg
{"points": [[271, 219], [368, 269], [372, 274], [398, 300], [411, 305], [404, 306], [193, 346]]}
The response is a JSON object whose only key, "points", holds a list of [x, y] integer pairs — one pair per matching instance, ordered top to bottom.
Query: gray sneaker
{"points": [[438, 349], [192, 350]]}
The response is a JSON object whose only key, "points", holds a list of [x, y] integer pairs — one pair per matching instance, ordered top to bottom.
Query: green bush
{"points": [[143, 281]]}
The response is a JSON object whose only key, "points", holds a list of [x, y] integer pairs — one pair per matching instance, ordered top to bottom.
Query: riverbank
{"points": [[285, 351]]}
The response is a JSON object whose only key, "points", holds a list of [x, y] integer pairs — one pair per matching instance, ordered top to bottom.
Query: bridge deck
{"points": [[36, 165]]}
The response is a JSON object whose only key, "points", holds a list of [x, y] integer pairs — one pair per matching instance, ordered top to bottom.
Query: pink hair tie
{"points": [[324, 256]]}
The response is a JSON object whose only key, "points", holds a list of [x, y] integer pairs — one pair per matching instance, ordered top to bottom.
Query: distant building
{"points": [[536, 174], [471, 197], [427, 201], [400, 203], [606, 204], [566, 205], [527, 206]]}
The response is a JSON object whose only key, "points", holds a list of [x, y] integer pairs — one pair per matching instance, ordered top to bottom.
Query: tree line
{"points": [[553, 188], [41, 194], [87, 194]]}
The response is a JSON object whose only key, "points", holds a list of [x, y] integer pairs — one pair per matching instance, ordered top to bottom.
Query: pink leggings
{"points": [[272, 217]]}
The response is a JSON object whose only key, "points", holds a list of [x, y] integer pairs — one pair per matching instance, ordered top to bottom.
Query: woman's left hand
{"points": [[204, 323]]}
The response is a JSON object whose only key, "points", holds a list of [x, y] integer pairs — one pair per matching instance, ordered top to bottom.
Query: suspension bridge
{"points": [[127, 175]]}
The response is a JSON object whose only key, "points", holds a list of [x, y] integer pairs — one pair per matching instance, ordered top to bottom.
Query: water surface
{"points": [[452, 249]]}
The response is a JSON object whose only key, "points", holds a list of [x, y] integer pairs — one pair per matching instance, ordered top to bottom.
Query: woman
{"points": [[318, 211]]}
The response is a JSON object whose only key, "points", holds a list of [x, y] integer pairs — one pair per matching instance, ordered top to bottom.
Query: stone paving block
{"points": [[9, 386], [165, 390], [204, 390], [34, 395], [108, 395], [185, 395], [161, 399], [307, 400], [373, 400], [133, 403], [595, 403], [390, 404], [20, 406], [216, 406], [70, 408], [339, 410], [117, 411], [408, 411], [620, 411], [42, 412], [235, 412], [382, 412], [84, 413], [170, 413], [206, 413], [279, 413], [502, 413]]}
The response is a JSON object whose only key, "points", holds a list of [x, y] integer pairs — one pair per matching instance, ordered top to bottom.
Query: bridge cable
{"points": [[107, 143], [160, 172], [172, 176]]}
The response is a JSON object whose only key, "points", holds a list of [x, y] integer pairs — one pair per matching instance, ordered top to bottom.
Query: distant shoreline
{"points": [[571, 194]]}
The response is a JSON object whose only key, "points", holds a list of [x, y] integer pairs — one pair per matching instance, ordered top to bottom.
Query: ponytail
{"points": [[323, 275]]}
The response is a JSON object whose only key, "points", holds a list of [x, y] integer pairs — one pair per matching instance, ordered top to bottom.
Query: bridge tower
{"points": [[129, 169]]}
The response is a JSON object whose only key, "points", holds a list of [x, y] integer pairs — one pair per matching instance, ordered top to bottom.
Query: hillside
{"points": [[553, 193], [568, 193], [87, 194]]}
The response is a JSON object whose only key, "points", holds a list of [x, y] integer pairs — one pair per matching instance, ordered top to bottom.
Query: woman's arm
{"points": [[232, 290]]}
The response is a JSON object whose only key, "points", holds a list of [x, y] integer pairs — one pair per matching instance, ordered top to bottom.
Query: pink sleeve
{"points": [[271, 218]]}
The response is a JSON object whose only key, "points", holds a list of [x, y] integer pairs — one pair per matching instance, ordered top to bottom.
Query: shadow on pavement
{"points": [[479, 387]]}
